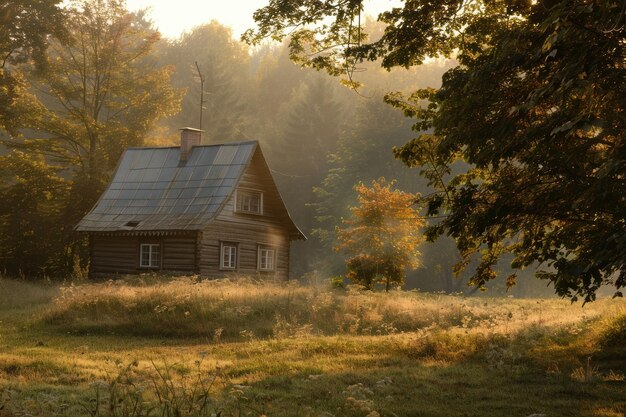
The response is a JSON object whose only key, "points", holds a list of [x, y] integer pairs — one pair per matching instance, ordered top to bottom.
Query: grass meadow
{"points": [[183, 347]]}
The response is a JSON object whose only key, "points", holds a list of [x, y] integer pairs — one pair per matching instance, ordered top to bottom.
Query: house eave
{"points": [[139, 232]]}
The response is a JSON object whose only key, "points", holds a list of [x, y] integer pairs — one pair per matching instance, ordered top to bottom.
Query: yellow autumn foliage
{"points": [[382, 235]]}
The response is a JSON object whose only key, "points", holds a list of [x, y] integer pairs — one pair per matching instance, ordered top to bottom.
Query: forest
{"points": [[85, 81], [79, 101]]}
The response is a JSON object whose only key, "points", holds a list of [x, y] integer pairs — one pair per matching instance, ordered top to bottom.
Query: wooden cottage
{"points": [[213, 210]]}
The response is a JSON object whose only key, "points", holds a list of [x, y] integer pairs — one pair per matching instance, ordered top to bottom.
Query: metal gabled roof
{"points": [[152, 190]]}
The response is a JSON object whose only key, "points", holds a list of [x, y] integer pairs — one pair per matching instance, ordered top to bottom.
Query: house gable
{"points": [[257, 178], [152, 190]]}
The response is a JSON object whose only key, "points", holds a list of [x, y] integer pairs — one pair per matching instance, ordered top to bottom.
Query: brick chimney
{"points": [[189, 137]]}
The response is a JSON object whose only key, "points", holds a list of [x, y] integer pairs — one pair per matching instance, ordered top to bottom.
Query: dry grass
{"points": [[22, 294], [235, 310], [292, 350]]}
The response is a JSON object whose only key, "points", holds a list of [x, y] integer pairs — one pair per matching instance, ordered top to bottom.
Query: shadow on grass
{"points": [[439, 374], [416, 390]]}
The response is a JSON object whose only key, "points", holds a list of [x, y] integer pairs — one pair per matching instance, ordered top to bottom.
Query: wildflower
{"points": [[384, 381]]}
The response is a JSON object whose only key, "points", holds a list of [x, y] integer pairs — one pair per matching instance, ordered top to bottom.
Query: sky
{"points": [[174, 17]]}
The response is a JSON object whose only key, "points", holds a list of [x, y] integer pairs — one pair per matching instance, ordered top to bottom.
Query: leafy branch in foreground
{"points": [[535, 108]]}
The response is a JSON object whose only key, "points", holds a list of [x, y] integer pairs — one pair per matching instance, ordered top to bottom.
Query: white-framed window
{"points": [[249, 201], [150, 255], [228, 255], [266, 258]]}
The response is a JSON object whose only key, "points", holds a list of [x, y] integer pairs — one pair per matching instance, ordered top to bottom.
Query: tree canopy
{"points": [[25, 27], [535, 106], [381, 235]]}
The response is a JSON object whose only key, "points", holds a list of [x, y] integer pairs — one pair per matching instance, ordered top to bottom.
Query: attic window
{"points": [[249, 201], [132, 224]]}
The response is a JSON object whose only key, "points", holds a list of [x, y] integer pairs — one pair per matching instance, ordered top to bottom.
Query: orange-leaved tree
{"points": [[381, 236]]}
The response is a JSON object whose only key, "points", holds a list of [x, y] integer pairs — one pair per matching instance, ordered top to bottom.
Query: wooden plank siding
{"points": [[258, 177], [249, 230], [248, 239], [179, 253], [119, 254]]}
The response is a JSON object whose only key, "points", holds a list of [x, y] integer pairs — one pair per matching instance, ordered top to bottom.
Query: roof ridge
{"points": [[245, 142]]}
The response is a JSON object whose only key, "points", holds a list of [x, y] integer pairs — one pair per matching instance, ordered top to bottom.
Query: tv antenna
{"points": [[201, 76]]}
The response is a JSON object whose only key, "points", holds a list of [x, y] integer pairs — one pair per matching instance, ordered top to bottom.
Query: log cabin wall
{"points": [[249, 231], [248, 239], [118, 253], [179, 253]]}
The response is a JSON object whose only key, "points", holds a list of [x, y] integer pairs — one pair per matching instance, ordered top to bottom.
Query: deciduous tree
{"points": [[25, 27], [98, 94], [33, 233], [381, 235]]}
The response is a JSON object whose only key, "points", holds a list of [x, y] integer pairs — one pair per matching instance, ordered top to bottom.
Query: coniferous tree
{"points": [[225, 65], [275, 80], [298, 155]]}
